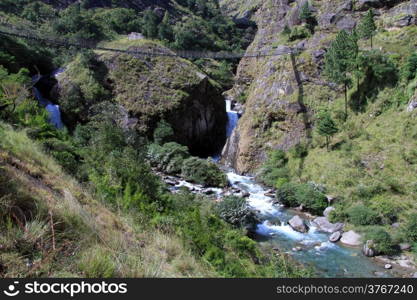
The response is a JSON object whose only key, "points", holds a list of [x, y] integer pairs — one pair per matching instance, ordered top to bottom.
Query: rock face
{"points": [[135, 4], [151, 88], [275, 90], [298, 224], [324, 225], [351, 238]]}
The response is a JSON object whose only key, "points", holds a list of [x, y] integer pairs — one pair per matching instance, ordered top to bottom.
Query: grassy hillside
{"points": [[51, 226]]}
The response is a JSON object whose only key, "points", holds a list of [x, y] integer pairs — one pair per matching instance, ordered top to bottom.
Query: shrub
{"points": [[298, 33], [163, 133], [169, 157], [274, 168], [203, 172], [293, 195], [385, 208], [235, 211], [363, 215], [410, 228], [383, 242]]}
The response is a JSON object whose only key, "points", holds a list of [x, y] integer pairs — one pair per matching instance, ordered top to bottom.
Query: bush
{"points": [[299, 32], [163, 133], [168, 158], [274, 168], [203, 172], [293, 195], [385, 208], [235, 211], [363, 215], [410, 228], [383, 242]]}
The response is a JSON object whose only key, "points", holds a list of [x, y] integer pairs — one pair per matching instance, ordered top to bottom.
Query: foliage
{"points": [[306, 15], [367, 27], [298, 33], [410, 67], [326, 126], [163, 133], [168, 157], [274, 169], [203, 172], [295, 194], [235, 211], [363, 215], [410, 228], [382, 241]]}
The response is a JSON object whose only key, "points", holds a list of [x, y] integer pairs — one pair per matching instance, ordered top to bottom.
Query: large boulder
{"points": [[328, 210], [298, 224], [324, 225], [351, 238]]}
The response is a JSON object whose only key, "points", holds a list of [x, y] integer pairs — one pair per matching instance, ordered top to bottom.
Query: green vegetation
{"points": [[367, 28], [326, 126], [203, 172], [294, 195], [236, 211], [382, 241]]}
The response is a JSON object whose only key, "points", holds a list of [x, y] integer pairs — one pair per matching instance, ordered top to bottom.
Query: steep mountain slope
{"points": [[52, 227]]}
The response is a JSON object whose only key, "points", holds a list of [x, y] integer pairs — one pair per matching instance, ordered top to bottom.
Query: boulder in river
{"points": [[328, 210], [298, 224], [324, 225], [335, 236], [351, 238], [405, 246], [368, 249]]}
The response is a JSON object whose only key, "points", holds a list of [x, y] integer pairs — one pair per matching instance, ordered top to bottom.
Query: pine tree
{"points": [[306, 15], [367, 27], [165, 32], [340, 61], [326, 127]]}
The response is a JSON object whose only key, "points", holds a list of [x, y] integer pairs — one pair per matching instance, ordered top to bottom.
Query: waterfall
{"points": [[53, 110], [233, 118]]}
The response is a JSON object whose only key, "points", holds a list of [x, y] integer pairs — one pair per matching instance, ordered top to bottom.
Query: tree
{"points": [[306, 15], [150, 24], [367, 27], [286, 31], [165, 32], [340, 61], [410, 68], [326, 126]]}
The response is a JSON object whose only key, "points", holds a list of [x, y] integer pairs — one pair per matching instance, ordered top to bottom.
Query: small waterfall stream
{"points": [[53, 109], [233, 118]]}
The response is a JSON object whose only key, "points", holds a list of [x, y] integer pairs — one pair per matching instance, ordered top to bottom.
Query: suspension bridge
{"points": [[7, 29]]}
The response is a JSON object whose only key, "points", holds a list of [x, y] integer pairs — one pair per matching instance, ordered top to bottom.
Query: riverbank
{"points": [[311, 248]]}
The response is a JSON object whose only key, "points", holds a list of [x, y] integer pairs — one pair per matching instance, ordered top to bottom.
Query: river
{"points": [[326, 258]]}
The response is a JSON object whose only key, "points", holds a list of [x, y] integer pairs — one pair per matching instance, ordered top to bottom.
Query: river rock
{"points": [[328, 210], [298, 224], [324, 225], [335, 236], [351, 238], [405, 246], [297, 249], [368, 249], [388, 266], [415, 275]]}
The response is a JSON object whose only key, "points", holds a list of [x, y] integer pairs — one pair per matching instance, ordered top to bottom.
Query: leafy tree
{"points": [[38, 12], [367, 27], [340, 61], [326, 126], [236, 211], [382, 241]]}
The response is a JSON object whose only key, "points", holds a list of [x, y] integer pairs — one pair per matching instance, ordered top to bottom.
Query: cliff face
{"points": [[135, 4], [147, 89], [281, 95]]}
